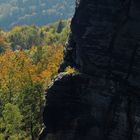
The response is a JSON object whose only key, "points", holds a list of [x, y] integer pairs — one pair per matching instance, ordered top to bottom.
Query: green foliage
{"points": [[60, 27], [57, 33], [24, 37], [4, 45], [28, 62], [11, 118], [10, 122], [1, 136]]}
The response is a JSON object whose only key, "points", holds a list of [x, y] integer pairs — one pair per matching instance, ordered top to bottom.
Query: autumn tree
{"points": [[23, 37], [25, 72]]}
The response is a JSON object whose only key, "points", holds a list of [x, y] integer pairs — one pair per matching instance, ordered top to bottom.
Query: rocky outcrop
{"points": [[102, 102]]}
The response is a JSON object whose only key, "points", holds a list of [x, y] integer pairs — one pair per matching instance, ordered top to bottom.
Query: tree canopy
{"points": [[29, 58]]}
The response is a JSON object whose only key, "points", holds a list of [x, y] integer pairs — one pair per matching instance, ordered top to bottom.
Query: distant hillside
{"points": [[38, 12]]}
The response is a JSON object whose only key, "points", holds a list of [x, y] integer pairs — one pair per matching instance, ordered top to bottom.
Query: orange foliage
{"points": [[55, 55], [17, 68]]}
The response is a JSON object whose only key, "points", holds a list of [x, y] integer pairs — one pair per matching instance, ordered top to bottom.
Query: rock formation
{"points": [[102, 102]]}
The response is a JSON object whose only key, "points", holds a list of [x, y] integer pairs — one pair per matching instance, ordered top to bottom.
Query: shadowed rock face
{"points": [[102, 102]]}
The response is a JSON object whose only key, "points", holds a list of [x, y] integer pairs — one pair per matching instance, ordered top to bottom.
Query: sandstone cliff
{"points": [[102, 102]]}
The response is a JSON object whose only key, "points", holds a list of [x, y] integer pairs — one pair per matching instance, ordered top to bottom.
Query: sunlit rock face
{"points": [[102, 102]]}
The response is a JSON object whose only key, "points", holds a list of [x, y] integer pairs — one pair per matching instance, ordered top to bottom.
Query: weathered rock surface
{"points": [[103, 101]]}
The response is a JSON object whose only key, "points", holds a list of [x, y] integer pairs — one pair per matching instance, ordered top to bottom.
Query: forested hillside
{"points": [[38, 12], [29, 59]]}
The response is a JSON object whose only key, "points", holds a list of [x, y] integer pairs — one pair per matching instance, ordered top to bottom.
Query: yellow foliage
{"points": [[16, 28], [54, 55], [18, 70], [70, 70]]}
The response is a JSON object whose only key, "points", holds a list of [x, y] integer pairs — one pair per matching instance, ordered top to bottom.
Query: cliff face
{"points": [[102, 102]]}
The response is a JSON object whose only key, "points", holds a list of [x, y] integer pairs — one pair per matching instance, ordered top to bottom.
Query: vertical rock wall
{"points": [[102, 102]]}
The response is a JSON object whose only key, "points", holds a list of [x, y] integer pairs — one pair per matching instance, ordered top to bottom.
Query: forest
{"points": [[20, 12], [29, 58]]}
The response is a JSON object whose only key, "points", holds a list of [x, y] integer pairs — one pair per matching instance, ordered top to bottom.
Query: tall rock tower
{"points": [[102, 102]]}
